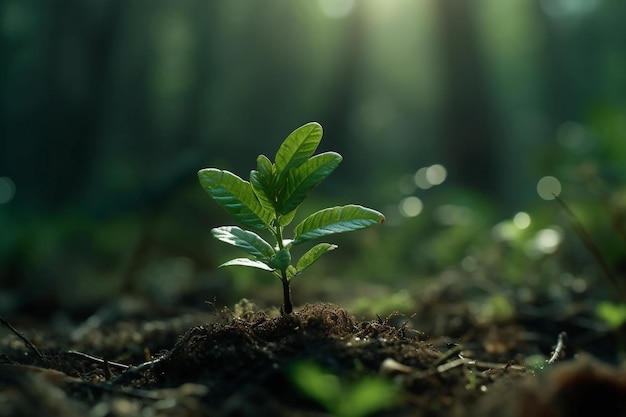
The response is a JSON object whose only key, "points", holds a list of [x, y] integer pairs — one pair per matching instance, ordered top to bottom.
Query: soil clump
{"points": [[241, 363]]}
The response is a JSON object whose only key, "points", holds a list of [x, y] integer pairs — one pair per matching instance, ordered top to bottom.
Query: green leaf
{"points": [[297, 148], [301, 180], [262, 182], [236, 197], [285, 219], [336, 220], [243, 239], [313, 255], [282, 260], [249, 263], [291, 272], [614, 315], [317, 384], [367, 396]]}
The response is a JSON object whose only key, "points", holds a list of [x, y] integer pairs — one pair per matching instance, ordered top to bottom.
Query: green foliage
{"points": [[268, 202], [401, 300], [613, 314], [344, 398]]}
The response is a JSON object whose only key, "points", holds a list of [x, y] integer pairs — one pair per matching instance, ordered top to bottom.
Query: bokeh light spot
{"points": [[566, 8], [336, 9], [571, 135], [436, 174], [426, 177], [420, 179], [406, 185], [548, 187], [7, 190], [411, 206], [450, 215], [521, 220], [505, 231], [548, 240], [469, 264], [577, 284]]}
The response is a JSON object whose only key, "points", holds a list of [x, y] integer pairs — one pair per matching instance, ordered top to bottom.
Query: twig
{"points": [[407, 321], [26, 341], [559, 348], [456, 349], [97, 360], [478, 364], [391, 366], [445, 367], [132, 371], [15, 373]]}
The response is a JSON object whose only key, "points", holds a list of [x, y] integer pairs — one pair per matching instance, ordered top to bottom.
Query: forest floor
{"points": [[132, 359]]}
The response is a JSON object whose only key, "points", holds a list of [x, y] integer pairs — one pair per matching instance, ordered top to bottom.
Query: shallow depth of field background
{"points": [[451, 116]]}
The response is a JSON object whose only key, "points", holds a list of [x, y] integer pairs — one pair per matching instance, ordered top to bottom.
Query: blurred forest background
{"points": [[448, 113]]}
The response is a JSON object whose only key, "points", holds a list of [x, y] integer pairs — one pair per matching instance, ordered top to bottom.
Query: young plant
{"points": [[268, 202]]}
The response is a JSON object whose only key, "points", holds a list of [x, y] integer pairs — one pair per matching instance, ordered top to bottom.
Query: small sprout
{"points": [[268, 202]]}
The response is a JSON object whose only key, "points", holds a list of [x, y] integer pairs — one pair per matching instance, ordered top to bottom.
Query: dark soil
{"points": [[130, 360]]}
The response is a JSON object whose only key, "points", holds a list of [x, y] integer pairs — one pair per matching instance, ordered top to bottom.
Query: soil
{"points": [[132, 359]]}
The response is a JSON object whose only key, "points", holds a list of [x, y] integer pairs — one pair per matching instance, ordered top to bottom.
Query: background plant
{"points": [[268, 202], [343, 397]]}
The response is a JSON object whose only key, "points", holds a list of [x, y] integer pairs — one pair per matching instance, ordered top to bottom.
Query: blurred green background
{"points": [[448, 114]]}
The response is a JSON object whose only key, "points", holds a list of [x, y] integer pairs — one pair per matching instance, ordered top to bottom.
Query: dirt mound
{"points": [[245, 364]]}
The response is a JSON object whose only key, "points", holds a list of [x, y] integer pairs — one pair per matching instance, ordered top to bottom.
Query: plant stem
{"points": [[278, 234], [287, 306]]}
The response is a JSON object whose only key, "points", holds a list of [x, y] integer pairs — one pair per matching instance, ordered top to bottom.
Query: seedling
{"points": [[268, 203]]}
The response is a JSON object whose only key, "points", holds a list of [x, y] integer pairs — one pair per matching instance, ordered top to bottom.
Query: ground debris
{"points": [[240, 364]]}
